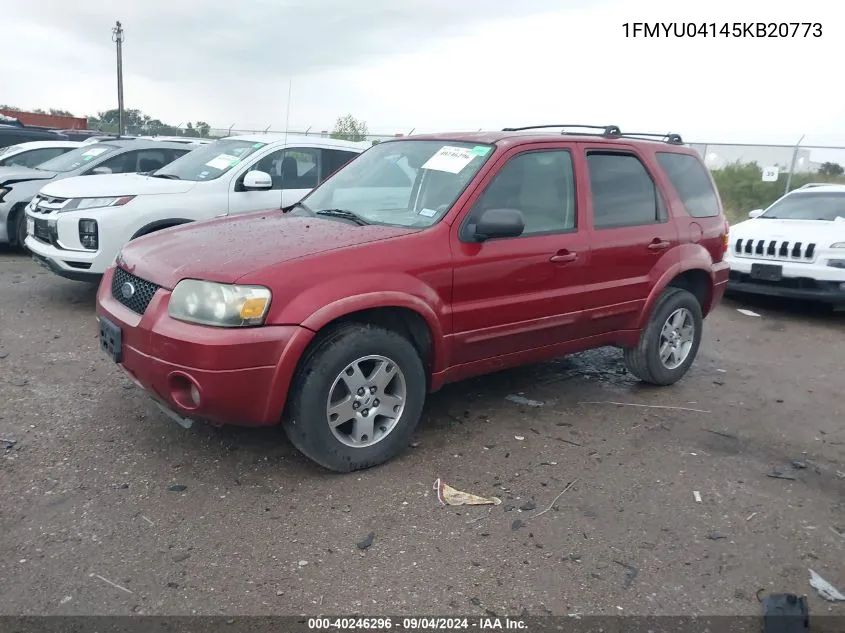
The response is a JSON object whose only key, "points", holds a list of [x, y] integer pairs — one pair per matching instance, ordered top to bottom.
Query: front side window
{"points": [[78, 157], [211, 161], [291, 168], [690, 179], [402, 183], [541, 185], [623, 192], [808, 206]]}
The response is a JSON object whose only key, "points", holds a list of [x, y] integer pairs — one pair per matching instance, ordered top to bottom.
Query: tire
{"points": [[19, 225], [644, 361], [354, 445]]}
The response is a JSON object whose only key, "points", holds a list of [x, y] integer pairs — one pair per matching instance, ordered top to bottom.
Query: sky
{"points": [[435, 65]]}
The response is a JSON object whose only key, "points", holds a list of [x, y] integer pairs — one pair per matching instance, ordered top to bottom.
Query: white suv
{"points": [[95, 216], [795, 248]]}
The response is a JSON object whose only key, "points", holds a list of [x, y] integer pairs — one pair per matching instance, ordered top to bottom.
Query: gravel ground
{"points": [[90, 523]]}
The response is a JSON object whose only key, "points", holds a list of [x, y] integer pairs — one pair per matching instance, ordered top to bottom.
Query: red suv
{"points": [[423, 261]]}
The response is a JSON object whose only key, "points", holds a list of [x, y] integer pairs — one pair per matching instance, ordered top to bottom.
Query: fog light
{"points": [[88, 236], [195, 395]]}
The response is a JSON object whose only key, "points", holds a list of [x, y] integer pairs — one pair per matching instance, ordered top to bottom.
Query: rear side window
{"points": [[334, 159], [690, 179], [623, 192]]}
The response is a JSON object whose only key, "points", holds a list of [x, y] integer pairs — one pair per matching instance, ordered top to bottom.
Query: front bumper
{"points": [[62, 268], [802, 281], [241, 376]]}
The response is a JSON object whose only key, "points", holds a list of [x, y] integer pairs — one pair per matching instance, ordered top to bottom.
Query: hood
{"points": [[11, 175], [109, 185], [819, 232], [228, 248]]}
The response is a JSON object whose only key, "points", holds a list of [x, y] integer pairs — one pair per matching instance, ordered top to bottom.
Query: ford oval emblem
{"points": [[127, 290]]}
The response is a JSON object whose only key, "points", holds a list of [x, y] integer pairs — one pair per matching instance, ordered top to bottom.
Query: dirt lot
{"points": [[89, 524]]}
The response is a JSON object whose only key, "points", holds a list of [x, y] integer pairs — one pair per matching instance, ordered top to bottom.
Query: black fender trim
{"points": [[158, 225]]}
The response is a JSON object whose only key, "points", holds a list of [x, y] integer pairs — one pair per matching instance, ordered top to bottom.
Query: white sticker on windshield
{"points": [[94, 151], [450, 159], [222, 161], [428, 212]]}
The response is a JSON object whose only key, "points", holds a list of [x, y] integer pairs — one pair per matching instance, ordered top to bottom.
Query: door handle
{"points": [[658, 245], [563, 257]]}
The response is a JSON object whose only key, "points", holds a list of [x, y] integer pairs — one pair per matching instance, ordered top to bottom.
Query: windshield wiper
{"points": [[168, 176], [293, 206], [344, 214]]}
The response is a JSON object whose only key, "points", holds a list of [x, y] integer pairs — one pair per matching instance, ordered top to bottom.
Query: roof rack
{"points": [[607, 131]]}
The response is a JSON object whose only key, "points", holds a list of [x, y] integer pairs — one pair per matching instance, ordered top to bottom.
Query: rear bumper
{"points": [[804, 289], [240, 376]]}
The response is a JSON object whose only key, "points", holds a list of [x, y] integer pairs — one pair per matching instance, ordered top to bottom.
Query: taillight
{"points": [[726, 239]]}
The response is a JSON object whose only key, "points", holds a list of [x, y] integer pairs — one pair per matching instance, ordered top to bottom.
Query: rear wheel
{"points": [[669, 343], [356, 398]]}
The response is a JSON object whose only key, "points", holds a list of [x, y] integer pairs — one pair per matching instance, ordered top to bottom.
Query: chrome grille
{"points": [[43, 205], [778, 250]]}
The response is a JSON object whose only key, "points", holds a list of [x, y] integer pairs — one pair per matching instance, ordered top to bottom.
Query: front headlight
{"points": [[78, 204], [221, 305]]}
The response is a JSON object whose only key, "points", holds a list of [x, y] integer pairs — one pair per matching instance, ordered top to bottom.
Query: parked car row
{"points": [[329, 286]]}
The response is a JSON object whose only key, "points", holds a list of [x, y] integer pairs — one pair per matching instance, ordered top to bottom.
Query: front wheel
{"points": [[20, 229], [669, 343], [356, 398]]}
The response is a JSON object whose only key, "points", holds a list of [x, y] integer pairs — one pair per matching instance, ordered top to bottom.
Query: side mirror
{"points": [[101, 171], [257, 181], [756, 213], [495, 223]]}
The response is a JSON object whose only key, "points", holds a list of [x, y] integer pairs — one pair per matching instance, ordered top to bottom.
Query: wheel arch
{"points": [[158, 225]]}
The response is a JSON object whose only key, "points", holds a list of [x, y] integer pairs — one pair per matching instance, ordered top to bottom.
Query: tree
{"points": [[350, 129], [831, 169]]}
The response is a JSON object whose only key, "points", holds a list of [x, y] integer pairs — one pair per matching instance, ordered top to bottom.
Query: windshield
{"points": [[10, 149], [76, 158], [211, 161], [402, 183], [808, 206]]}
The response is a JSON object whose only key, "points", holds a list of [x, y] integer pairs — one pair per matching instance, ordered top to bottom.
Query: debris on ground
{"points": [[750, 313], [3, 355], [519, 399], [646, 406], [519, 438], [8, 444], [799, 464], [782, 472], [177, 488], [697, 495], [449, 496], [554, 501], [528, 505], [751, 516], [516, 525], [837, 532], [717, 536], [367, 542], [631, 572], [113, 584], [824, 588], [785, 613]]}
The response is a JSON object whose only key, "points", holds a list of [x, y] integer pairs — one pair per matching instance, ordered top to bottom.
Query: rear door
{"points": [[632, 237], [511, 295]]}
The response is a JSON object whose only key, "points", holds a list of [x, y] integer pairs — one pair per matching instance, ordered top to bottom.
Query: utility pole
{"points": [[117, 38]]}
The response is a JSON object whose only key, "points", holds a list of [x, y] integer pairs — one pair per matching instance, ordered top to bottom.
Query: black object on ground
{"points": [[785, 613]]}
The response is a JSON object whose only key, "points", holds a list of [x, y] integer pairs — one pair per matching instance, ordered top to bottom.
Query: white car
{"points": [[34, 152], [92, 217], [795, 248]]}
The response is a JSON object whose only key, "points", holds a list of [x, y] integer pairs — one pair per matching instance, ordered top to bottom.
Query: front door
{"points": [[294, 172], [633, 242], [516, 294]]}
